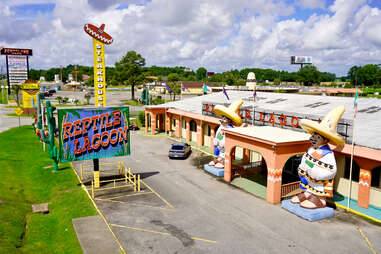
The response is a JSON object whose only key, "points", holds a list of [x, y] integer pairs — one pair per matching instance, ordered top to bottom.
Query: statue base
{"points": [[214, 170], [307, 214]]}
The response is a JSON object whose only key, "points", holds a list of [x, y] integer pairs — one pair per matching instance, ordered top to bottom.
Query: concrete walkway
{"points": [[7, 122]]}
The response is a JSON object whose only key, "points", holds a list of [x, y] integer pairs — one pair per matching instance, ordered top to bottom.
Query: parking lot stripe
{"points": [[129, 195], [165, 201], [135, 204], [160, 233], [366, 240]]}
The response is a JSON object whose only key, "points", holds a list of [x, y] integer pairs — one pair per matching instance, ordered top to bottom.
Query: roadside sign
{"points": [[19, 111], [93, 133]]}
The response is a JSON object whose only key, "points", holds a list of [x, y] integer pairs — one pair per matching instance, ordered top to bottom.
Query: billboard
{"points": [[16, 52], [301, 60], [17, 69], [29, 93], [93, 133]]}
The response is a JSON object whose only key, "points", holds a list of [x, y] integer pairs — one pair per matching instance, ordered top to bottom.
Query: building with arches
{"points": [[270, 148]]}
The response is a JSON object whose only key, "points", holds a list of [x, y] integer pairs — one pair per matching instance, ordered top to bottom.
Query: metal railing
{"points": [[130, 180], [288, 188]]}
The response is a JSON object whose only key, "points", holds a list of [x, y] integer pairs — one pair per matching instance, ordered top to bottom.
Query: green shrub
{"points": [[142, 118]]}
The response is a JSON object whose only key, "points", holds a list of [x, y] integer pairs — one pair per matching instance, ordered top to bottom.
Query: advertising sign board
{"points": [[16, 52], [301, 60], [18, 69], [93, 133]]}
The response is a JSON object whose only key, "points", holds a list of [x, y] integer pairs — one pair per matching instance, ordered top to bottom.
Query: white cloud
{"points": [[312, 4], [217, 34]]}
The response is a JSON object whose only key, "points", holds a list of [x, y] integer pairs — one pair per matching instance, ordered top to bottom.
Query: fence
{"points": [[130, 180], [289, 189]]}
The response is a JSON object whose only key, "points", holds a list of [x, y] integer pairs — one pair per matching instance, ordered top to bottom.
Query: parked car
{"points": [[52, 91], [47, 94], [133, 127], [179, 150]]}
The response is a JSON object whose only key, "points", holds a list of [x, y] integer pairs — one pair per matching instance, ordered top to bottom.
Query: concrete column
{"points": [[161, 122], [153, 123], [167, 123], [178, 127], [188, 133], [199, 133], [212, 135], [246, 155], [228, 162], [275, 164], [364, 188]]}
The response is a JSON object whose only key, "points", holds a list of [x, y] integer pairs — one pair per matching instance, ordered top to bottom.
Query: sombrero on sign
{"points": [[98, 33], [230, 112], [327, 127]]}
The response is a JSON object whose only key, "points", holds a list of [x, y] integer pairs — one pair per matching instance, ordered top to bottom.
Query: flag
{"points": [[168, 88], [184, 89], [226, 94], [255, 95], [355, 104]]}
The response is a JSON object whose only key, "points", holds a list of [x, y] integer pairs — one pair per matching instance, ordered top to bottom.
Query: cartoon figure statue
{"points": [[229, 119], [318, 166]]}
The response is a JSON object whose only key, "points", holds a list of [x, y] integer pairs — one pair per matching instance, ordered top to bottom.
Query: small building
{"points": [[271, 147]]}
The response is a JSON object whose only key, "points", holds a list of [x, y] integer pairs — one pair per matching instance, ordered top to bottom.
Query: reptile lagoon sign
{"points": [[93, 133]]}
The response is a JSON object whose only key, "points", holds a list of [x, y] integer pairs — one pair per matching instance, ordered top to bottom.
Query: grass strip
{"points": [[27, 179]]}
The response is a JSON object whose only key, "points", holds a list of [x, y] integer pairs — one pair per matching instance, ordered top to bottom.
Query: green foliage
{"points": [[128, 71], [201, 73], [309, 75], [368, 75], [173, 77], [327, 77], [276, 82], [176, 88], [87, 98], [59, 99], [156, 101], [142, 118], [25, 181]]}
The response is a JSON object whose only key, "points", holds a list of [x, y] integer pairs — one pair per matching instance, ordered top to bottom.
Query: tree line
{"points": [[131, 70]]}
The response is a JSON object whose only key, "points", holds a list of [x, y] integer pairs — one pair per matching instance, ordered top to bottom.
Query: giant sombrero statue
{"points": [[98, 33], [230, 112], [327, 127]]}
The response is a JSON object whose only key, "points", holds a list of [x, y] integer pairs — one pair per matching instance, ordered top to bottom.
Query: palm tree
{"points": [[87, 97], [59, 99]]}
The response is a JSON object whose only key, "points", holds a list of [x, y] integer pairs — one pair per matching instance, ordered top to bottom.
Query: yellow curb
{"points": [[358, 213], [366, 240]]}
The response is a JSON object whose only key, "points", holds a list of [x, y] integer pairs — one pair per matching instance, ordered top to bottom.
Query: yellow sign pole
{"points": [[99, 73], [99, 87]]}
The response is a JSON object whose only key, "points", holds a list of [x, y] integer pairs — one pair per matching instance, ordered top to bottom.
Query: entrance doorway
{"points": [[249, 171], [290, 177]]}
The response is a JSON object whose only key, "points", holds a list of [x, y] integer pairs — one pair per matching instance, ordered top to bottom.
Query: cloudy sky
{"points": [[217, 34]]}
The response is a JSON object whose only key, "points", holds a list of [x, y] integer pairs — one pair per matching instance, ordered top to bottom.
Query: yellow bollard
{"points": [[119, 167], [124, 170], [81, 172], [129, 174], [125, 176], [96, 179], [139, 182], [134, 183], [92, 189]]}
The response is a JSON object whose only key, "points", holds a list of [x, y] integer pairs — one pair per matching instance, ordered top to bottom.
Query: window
{"points": [[174, 122], [193, 126], [207, 130], [355, 169], [376, 177]]}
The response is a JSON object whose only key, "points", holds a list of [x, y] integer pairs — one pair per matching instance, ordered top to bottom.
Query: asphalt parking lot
{"points": [[182, 209]]}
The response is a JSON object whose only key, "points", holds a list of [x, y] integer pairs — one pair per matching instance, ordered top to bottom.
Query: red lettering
{"points": [[207, 107], [213, 108], [240, 113], [247, 114], [116, 115], [102, 116], [261, 117], [95, 119], [272, 119], [283, 120], [108, 123], [86, 124], [293, 124], [77, 127], [67, 130], [123, 135], [96, 137], [113, 141], [104, 144], [86, 145], [76, 149]]}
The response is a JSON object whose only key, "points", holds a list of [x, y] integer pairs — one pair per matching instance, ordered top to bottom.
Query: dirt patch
{"points": [[180, 234]]}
